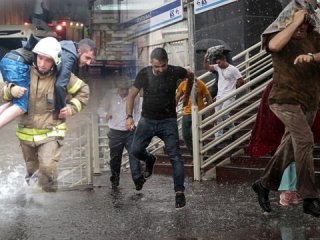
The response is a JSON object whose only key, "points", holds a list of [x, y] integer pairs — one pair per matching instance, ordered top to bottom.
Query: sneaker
{"points": [[149, 166], [139, 183], [285, 198], [295, 198], [180, 200]]}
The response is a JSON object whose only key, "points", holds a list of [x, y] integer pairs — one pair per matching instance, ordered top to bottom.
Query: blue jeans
{"points": [[18, 73], [167, 131]]}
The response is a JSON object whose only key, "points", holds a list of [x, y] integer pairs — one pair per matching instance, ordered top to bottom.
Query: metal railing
{"points": [[256, 68], [104, 150], [75, 166]]}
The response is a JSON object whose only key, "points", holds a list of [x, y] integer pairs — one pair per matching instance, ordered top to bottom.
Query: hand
{"points": [[299, 16], [206, 57], [303, 58], [190, 75], [240, 82], [17, 92], [63, 113], [108, 117], [130, 124]]}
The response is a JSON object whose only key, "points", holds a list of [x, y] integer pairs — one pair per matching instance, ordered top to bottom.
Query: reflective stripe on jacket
{"points": [[39, 123], [35, 135]]}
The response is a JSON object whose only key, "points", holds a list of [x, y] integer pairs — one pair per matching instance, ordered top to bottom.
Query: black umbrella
{"points": [[204, 44], [215, 44]]}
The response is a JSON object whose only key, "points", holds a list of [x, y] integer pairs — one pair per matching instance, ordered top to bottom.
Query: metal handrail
{"points": [[256, 69]]}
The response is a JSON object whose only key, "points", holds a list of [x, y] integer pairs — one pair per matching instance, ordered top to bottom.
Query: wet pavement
{"points": [[213, 211]]}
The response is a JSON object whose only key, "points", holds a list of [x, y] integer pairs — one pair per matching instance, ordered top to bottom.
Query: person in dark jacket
{"points": [[74, 56]]}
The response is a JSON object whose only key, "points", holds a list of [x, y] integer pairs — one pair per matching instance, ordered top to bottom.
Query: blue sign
{"points": [[205, 5], [163, 16]]}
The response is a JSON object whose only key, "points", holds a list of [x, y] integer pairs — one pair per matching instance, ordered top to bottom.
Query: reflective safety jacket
{"points": [[39, 123]]}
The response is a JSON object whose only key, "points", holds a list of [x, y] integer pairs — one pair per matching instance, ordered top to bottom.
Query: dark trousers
{"points": [[167, 131], [118, 140], [297, 144]]}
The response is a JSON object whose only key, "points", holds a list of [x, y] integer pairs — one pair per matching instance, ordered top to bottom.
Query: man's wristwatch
{"points": [[312, 56], [129, 116]]}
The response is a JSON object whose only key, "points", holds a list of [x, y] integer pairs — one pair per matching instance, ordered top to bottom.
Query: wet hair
{"points": [[86, 45], [159, 54], [220, 57]]}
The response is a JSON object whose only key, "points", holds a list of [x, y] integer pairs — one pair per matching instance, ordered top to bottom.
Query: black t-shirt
{"points": [[159, 91]]}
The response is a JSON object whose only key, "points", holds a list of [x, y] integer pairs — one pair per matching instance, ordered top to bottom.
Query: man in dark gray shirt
{"points": [[158, 118]]}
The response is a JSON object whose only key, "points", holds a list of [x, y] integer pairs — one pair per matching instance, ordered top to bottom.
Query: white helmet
{"points": [[49, 47]]}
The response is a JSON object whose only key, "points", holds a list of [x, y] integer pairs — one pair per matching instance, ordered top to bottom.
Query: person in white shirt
{"points": [[229, 80], [119, 136]]}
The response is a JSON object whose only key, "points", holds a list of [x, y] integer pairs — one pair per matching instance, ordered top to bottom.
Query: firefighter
{"points": [[40, 134]]}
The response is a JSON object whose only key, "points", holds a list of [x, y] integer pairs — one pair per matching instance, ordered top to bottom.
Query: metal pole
{"points": [[190, 13], [196, 143], [95, 145]]}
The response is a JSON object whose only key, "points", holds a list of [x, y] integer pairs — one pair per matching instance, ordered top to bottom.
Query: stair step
{"points": [[164, 158], [246, 161], [166, 169], [234, 174]]}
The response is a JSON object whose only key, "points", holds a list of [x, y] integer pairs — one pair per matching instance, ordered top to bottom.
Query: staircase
{"points": [[227, 155], [163, 164], [244, 169]]}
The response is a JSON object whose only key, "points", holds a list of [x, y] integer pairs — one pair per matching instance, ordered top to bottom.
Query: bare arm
{"points": [[281, 39], [307, 58], [206, 64], [190, 81], [240, 82], [208, 98], [130, 104]]}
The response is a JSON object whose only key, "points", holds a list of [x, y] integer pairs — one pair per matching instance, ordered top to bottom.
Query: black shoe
{"points": [[149, 166], [114, 182], [139, 183], [263, 196], [180, 200], [312, 206]]}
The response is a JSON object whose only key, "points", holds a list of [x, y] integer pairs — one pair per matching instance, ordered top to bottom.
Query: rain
{"points": [[86, 206]]}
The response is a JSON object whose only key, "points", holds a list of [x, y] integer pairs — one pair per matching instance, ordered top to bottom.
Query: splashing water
{"points": [[12, 181]]}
